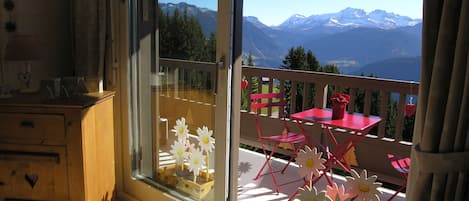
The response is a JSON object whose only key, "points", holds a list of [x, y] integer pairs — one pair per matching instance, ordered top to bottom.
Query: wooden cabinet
{"points": [[57, 149]]}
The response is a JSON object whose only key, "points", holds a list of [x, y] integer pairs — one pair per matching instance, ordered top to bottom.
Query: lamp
{"points": [[23, 48]]}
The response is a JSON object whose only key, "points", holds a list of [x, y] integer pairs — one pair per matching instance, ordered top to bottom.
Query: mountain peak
{"points": [[353, 12], [298, 16], [252, 18], [350, 18], [293, 20]]}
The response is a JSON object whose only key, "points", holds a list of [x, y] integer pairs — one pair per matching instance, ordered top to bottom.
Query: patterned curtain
{"points": [[440, 155]]}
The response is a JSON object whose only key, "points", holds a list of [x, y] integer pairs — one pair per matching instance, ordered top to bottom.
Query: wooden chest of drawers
{"points": [[57, 150]]}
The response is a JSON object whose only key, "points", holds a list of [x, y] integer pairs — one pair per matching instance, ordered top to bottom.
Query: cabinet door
{"points": [[33, 173]]}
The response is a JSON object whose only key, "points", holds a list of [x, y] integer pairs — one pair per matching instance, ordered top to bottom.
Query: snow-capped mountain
{"points": [[350, 18], [294, 20], [255, 21], [349, 39]]}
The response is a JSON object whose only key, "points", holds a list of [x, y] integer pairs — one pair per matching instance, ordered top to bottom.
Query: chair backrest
{"points": [[269, 100], [402, 165]]}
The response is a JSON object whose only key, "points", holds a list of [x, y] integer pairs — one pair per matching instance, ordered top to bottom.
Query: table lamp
{"points": [[23, 48]]}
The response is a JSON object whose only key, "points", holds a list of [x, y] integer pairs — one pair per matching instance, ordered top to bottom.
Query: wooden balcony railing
{"points": [[322, 84], [191, 85]]}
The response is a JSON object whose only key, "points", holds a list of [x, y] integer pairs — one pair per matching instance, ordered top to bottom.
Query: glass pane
{"points": [[183, 98]]}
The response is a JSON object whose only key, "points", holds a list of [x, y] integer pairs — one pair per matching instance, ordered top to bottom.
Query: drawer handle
{"points": [[27, 124], [54, 156]]}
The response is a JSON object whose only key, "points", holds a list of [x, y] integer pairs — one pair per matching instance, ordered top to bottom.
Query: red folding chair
{"points": [[296, 141], [402, 165]]}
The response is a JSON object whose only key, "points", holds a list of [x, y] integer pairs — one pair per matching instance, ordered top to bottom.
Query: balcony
{"points": [[181, 82]]}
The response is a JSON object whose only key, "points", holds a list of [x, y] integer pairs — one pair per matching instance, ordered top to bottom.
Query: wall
{"points": [[49, 21]]}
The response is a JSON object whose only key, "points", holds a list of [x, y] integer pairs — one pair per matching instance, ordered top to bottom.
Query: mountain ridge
{"points": [[350, 17], [270, 44]]}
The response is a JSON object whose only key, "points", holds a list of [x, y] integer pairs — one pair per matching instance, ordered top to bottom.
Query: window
{"points": [[179, 102]]}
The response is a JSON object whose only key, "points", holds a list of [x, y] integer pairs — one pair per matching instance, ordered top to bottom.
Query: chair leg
{"points": [[293, 155], [285, 167], [271, 169], [260, 170], [273, 178], [395, 194]]}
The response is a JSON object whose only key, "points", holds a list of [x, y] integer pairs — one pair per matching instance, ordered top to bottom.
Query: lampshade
{"points": [[22, 48]]}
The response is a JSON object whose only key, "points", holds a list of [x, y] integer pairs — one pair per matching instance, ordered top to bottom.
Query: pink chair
{"points": [[296, 141], [402, 165]]}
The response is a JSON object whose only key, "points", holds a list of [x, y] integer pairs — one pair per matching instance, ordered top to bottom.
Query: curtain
{"points": [[90, 30], [440, 153]]}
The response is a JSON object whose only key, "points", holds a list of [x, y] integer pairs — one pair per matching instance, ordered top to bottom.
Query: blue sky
{"points": [[274, 12]]}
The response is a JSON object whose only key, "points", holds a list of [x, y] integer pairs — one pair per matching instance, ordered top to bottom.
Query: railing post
{"points": [[176, 83], [293, 93], [305, 96], [320, 98], [367, 103], [351, 105], [383, 113], [400, 117]]}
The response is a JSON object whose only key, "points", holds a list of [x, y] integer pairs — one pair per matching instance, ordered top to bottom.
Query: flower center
{"points": [[181, 130], [205, 140], [180, 153], [196, 161], [309, 163], [364, 188]]}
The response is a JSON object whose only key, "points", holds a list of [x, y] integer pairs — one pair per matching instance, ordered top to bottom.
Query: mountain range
{"points": [[350, 38]]}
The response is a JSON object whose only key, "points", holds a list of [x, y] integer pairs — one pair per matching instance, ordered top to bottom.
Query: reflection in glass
{"points": [[183, 97]]}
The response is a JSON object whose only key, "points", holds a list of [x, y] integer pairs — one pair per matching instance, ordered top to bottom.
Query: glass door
{"points": [[180, 97]]}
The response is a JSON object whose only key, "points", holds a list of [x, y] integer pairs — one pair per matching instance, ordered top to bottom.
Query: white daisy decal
{"points": [[181, 129], [206, 142], [189, 148], [179, 151], [196, 161], [310, 162], [362, 187], [337, 193], [311, 194]]}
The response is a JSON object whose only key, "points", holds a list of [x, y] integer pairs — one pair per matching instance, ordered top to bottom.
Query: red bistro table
{"points": [[358, 124]]}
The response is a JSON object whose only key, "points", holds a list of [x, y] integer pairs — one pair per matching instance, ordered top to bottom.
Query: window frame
{"points": [[131, 188]]}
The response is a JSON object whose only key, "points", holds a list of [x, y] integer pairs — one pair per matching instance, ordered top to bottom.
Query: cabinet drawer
{"points": [[32, 129], [30, 175]]}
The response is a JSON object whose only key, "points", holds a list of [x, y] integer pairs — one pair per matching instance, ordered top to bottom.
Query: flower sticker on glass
{"points": [[181, 129], [206, 142], [178, 149], [196, 161], [310, 162], [362, 187], [337, 193], [311, 194]]}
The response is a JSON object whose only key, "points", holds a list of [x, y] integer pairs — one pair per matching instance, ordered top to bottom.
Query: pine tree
{"points": [[212, 47], [295, 60], [250, 61], [311, 62], [329, 68]]}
